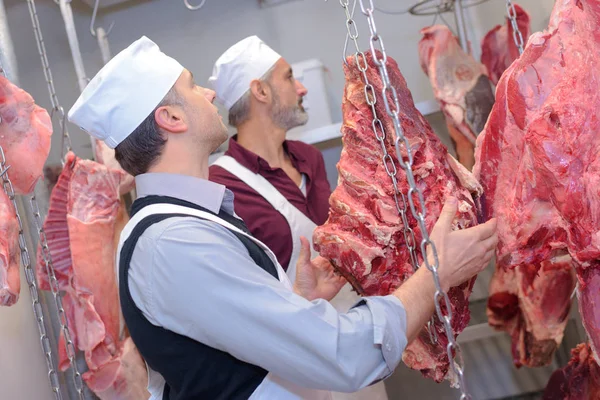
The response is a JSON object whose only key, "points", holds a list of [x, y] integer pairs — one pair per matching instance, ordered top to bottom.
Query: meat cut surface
{"points": [[498, 47], [460, 85], [24, 136], [538, 158], [84, 215], [363, 236], [10, 278], [532, 303], [578, 380]]}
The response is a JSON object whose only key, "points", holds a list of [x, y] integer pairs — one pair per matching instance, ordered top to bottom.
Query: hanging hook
{"points": [[191, 7], [92, 28]]}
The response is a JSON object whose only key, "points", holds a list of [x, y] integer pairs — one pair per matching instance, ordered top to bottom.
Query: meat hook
{"points": [[191, 7], [92, 28]]}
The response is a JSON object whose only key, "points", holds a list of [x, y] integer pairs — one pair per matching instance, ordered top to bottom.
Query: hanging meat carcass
{"points": [[498, 47], [461, 87], [25, 131], [539, 164], [83, 219], [363, 236], [578, 380]]}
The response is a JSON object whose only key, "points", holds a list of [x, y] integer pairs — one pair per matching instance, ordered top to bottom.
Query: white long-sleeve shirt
{"points": [[195, 278]]}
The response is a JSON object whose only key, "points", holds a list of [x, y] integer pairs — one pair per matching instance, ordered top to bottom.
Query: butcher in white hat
{"points": [[280, 186], [208, 306]]}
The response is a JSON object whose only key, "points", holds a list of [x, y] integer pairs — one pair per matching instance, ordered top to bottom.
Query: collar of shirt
{"points": [[255, 163], [207, 194]]}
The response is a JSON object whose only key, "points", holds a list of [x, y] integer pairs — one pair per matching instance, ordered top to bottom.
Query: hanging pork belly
{"points": [[85, 215]]}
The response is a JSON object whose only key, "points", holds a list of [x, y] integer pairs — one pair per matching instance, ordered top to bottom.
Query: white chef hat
{"points": [[243, 62], [125, 91]]}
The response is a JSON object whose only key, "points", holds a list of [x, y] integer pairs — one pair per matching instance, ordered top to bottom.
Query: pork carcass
{"points": [[498, 47], [461, 87], [25, 131], [105, 155], [538, 158], [80, 229], [363, 236], [10, 279], [578, 380]]}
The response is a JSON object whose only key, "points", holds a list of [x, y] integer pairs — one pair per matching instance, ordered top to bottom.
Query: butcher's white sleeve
{"points": [[203, 284]]}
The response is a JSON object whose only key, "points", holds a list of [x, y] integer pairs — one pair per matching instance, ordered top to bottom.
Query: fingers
{"points": [[444, 222], [486, 230], [490, 243], [304, 255], [486, 259]]}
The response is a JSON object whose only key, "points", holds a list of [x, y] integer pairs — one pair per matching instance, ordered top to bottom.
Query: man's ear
{"points": [[260, 90], [171, 119]]}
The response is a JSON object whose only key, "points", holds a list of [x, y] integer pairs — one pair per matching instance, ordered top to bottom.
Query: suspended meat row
{"points": [[529, 128], [526, 133], [82, 227]]}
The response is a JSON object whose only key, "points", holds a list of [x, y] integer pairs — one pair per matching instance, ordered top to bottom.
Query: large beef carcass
{"points": [[498, 47], [461, 87], [25, 131], [538, 158], [80, 228], [363, 236], [10, 280], [578, 380]]}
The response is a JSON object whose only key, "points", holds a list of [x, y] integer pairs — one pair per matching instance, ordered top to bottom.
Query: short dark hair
{"points": [[140, 150]]}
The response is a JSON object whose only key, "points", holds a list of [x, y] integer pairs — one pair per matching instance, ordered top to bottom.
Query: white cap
{"points": [[243, 62], [125, 91]]}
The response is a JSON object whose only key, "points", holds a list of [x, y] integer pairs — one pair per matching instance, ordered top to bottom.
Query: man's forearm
{"points": [[416, 294]]}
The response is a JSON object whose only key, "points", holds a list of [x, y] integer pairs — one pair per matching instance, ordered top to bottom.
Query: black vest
{"points": [[192, 370]]}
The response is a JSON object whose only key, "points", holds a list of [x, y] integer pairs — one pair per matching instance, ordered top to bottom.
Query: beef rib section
{"points": [[364, 236]]}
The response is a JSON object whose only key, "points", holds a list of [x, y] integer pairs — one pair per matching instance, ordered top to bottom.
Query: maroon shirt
{"points": [[264, 222]]}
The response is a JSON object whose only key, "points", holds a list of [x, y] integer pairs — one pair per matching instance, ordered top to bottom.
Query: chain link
{"points": [[517, 36], [56, 107], [380, 135], [65, 138], [419, 215], [31, 281], [54, 286]]}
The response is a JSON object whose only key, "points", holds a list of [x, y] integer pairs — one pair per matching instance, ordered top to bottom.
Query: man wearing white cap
{"points": [[280, 186], [207, 305]]}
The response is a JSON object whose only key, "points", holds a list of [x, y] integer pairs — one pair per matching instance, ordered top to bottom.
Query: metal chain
{"points": [[517, 36], [376, 40], [56, 107], [380, 135], [31, 281], [54, 286]]}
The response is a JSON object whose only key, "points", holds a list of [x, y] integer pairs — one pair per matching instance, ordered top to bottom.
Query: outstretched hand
{"points": [[315, 279]]}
